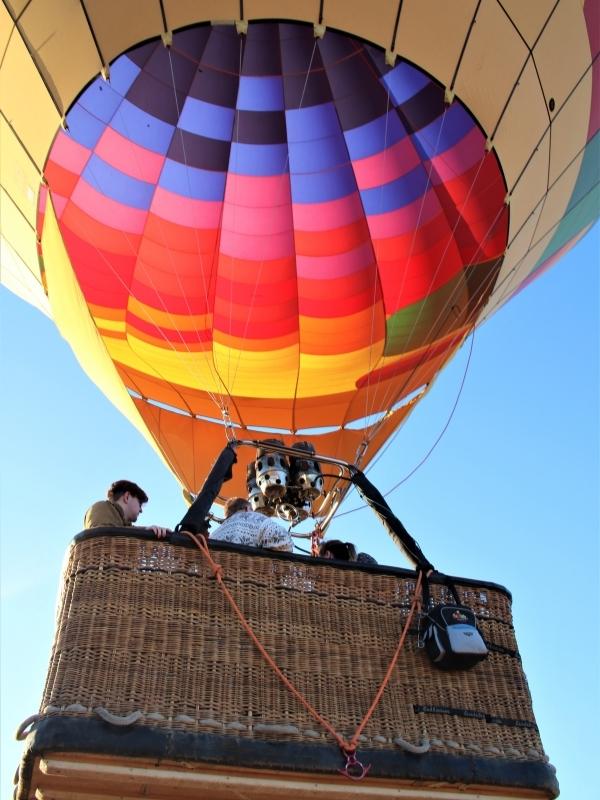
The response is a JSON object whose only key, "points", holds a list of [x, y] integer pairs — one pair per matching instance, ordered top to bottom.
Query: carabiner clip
{"points": [[353, 768]]}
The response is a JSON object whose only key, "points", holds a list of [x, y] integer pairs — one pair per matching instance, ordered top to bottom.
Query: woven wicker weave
{"points": [[142, 626]]}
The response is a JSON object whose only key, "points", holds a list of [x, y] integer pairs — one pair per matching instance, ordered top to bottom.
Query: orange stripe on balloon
{"points": [[60, 180], [97, 233], [180, 237], [326, 243], [245, 273], [335, 290], [266, 291], [324, 307], [107, 312], [167, 319], [108, 334], [345, 335], [180, 341], [255, 344]]}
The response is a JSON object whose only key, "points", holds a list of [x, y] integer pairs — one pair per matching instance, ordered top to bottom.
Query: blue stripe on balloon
{"points": [[122, 75], [404, 82], [260, 93], [101, 100], [207, 119], [302, 123], [84, 127], [142, 128], [444, 132], [375, 136], [317, 155], [258, 159], [199, 184], [116, 185], [320, 187], [395, 194]]}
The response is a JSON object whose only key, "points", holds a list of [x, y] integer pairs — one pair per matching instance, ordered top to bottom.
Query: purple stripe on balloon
{"points": [[122, 75], [404, 82], [260, 93], [101, 100], [207, 119], [304, 124], [84, 127], [142, 128], [444, 132], [375, 136], [315, 156], [258, 159], [454, 162], [386, 166], [199, 184], [116, 185], [320, 187], [395, 194], [110, 212], [404, 220]]}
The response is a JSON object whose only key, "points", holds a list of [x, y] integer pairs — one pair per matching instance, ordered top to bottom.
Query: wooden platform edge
{"points": [[93, 737]]}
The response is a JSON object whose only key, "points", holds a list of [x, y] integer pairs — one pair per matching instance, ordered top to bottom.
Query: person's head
{"points": [[129, 496], [235, 504], [341, 551], [366, 559]]}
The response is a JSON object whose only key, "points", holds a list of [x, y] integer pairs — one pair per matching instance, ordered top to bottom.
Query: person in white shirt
{"points": [[244, 526]]}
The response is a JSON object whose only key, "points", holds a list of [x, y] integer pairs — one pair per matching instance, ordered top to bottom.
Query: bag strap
{"points": [[447, 582]]}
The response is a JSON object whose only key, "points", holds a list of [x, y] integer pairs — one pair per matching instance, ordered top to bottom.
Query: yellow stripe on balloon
{"points": [[167, 319], [194, 370], [258, 373]]}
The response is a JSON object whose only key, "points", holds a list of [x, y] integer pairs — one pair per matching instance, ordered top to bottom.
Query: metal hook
{"points": [[354, 769]]}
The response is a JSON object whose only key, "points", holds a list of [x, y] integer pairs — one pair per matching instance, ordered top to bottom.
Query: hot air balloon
{"points": [[285, 225]]}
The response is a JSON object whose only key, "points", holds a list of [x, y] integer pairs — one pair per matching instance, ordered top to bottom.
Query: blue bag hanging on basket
{"points": [[451, 637]]}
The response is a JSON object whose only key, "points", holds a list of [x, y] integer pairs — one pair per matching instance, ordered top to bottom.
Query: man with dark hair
{"points": [[121, 509], [244, 526], [338, 550]]}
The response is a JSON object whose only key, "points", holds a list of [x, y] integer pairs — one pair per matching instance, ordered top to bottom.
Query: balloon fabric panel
{"points": [[272, 223]]}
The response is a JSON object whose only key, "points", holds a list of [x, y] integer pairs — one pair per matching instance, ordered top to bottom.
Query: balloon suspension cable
{"points": [[229, 431], [439, 438]]}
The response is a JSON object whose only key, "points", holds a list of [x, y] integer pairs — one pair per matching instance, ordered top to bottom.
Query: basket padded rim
{"points": [[178, 540], [58, 734]]}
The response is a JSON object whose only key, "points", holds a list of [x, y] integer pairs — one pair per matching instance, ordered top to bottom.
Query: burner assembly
{"points": [[285, 485]]}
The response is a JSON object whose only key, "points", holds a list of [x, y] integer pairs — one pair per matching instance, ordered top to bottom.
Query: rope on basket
{"points": [[122, 721], [22, 732], [353, 768]]}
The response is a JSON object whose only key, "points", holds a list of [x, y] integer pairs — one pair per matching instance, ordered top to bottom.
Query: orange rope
{"points": [[348, 747]]}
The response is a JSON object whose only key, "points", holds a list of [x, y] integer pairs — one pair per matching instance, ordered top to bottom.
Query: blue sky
{"points": [[510, 494]]}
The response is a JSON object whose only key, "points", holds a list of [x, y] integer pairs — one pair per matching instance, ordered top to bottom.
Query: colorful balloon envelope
{"points": [[273, 232]]}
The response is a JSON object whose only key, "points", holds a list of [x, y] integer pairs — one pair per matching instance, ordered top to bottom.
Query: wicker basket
{"points": [[144, 633]]}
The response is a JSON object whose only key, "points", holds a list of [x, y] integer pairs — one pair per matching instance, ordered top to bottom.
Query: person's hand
{"points": [[161, 533]]}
